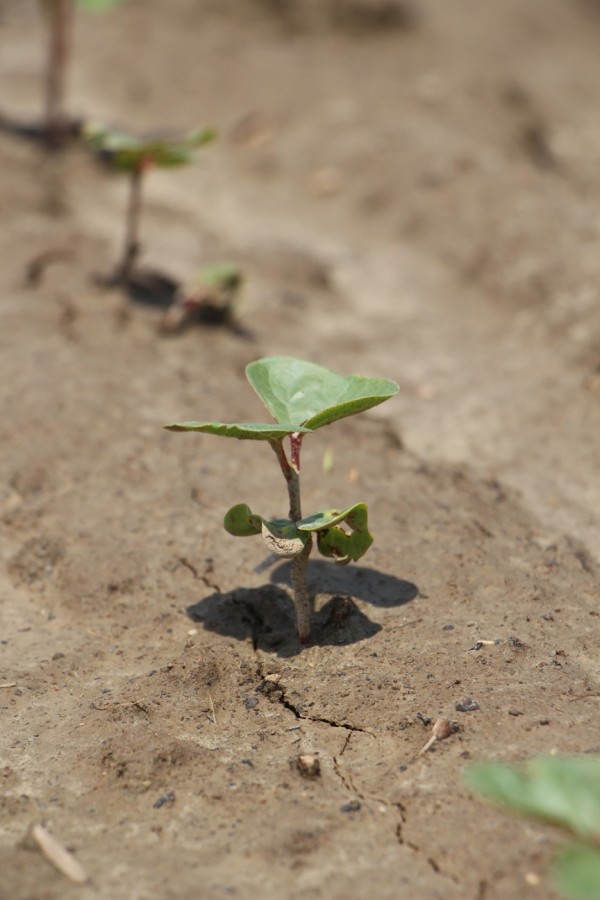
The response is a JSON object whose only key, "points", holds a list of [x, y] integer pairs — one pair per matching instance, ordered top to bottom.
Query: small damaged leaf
{"points": [[280, 535], [283, 538], [333, 541]]}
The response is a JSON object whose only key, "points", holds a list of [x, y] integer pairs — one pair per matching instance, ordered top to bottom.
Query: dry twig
{"points": [[58, 855]]}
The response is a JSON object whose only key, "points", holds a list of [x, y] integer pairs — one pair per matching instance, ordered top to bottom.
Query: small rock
{"points": [[250, 702], [467, 705], [307, 764], [166, 798], [351, 806]]}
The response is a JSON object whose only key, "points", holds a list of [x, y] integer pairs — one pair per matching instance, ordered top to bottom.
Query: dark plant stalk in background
{"points": [[60, 16]]}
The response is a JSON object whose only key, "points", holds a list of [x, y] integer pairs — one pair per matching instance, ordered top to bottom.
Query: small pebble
{"points": [[250, 702], [467, 705], [308, 765], [166, 798], [351, 806]]}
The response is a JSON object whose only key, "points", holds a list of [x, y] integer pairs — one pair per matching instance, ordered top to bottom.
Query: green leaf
{"points": [[95, 5], [127, 152], [220, 276], [307, 394], [245, 431], [241, 521], [280, 535], [283, 538], [336, 543], [562, 790], [577, 873]]}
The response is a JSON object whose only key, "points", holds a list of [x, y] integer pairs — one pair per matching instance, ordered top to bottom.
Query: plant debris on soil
{"points": [[410, 190]]}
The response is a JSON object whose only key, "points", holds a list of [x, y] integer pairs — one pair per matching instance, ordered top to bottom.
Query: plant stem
{"points": [[60, 22], [131, 247], [291, 474]]}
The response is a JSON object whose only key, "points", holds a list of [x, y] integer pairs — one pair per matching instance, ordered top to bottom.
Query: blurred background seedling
{"points": [[135, 156], [211, 298]]}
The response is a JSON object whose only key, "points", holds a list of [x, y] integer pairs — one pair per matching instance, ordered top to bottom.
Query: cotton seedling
{"points": [[136, 156], [209, 298], [302, 397]]}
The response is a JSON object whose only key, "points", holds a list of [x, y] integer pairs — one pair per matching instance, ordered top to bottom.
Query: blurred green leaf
{"points": [[96, 5], [128, 152], [220, 276], [308, 394], [246, 431], [562, 790], [577, 872]]}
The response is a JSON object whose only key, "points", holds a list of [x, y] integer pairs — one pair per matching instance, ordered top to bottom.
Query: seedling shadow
{"points": [[38, 132], [157, 290], [367, 584], [266, 616]]}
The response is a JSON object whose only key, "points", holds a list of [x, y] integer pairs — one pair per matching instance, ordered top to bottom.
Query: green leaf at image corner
{"points": [[305, 393], [244, 431], [561, 790], [577, 872]]}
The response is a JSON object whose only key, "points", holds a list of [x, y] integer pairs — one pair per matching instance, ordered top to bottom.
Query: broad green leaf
{"points": [[127, 152], [308, 394], [245, 431], [241, 521], [563, 790], [577, 872]]}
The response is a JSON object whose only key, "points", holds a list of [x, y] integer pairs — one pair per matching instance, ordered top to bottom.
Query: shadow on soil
{"points": [[266, 614]]}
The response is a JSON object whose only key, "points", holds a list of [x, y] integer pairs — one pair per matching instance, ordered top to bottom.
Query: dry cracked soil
{"points": [[412, 190]]}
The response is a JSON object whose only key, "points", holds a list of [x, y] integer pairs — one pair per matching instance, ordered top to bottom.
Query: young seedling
{"points": [[56, 126], [136, 155], [210, 298], [302, 397], [564, 791]]}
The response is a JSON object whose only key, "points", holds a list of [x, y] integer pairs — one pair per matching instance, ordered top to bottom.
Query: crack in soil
{"points": [[201, 576], [278, 695], [331, 722], [432, 863]]}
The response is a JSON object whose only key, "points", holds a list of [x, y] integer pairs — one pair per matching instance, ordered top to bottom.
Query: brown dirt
{"points": [[412, 190]]}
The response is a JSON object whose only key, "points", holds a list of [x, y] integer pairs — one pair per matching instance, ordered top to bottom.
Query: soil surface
{"points": [[412, 190]]}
